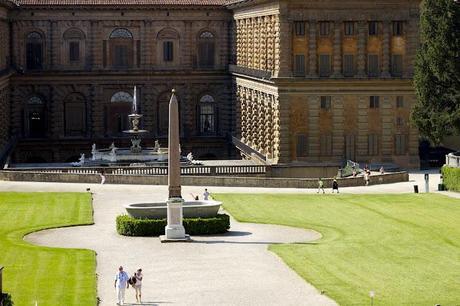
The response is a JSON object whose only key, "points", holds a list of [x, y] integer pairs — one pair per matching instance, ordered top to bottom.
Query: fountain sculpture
{"points": [[135, 153]]}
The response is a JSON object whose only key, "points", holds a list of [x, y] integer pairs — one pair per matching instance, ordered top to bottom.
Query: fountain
{"points": [[175, 208]]}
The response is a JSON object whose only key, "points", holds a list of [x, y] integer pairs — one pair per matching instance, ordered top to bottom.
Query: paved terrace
{"points": [[231, 269]]}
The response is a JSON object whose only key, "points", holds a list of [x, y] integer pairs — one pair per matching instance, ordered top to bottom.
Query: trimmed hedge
{"points": [[451, 178], [129, 226], [7, 301]]}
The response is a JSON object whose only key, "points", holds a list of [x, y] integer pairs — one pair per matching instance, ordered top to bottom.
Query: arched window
{"points": [[74, 44], [168, 47], [121, 48], [206, 50], [34, 51], [117, 113], [75, 115], [207, 115], [35, 118]]}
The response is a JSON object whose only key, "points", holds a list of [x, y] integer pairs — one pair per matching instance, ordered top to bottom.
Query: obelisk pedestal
{"points": [[174, 230]]}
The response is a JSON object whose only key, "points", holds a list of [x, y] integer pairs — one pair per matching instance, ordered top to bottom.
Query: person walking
{"points": [[102, 175], [366, 177], [320, 185], [335, 186], [206, 194], [121, 283], [138, 285]]}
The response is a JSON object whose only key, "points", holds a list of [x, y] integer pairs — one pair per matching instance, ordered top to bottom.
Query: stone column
{"points": [[362, 30], [54, 40], [386, 50], [312, 51], [337, 65], [387, 116], [338, 142]]}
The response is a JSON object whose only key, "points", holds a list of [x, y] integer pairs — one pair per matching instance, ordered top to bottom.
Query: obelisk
{"points": [[174, 230]]}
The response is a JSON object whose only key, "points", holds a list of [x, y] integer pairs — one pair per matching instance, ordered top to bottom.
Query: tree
{"points": [[437, 70]]}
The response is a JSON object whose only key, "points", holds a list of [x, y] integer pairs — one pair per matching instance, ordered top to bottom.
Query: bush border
{"points": [[451, 178], [129, 226]]}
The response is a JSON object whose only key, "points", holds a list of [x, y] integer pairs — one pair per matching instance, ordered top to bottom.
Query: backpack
{"points": [[132, 280]]}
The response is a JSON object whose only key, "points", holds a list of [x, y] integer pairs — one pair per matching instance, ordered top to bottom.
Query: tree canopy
{"points": [[437, 70]]}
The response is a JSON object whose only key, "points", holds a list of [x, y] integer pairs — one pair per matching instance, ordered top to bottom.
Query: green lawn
{"points": [[404, 247], [51, 276]]}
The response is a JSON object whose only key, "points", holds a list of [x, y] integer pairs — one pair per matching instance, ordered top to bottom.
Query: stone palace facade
{"points": [[288, 81]]}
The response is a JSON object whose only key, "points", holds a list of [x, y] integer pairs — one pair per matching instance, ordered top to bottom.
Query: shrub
{"points": [[451, 178], [129, 226], [7, 301]]}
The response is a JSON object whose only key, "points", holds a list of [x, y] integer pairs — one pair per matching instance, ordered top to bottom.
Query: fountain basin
{"points": [[191, 209]]}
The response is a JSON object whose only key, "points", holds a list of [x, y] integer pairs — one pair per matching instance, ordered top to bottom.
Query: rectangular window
{"points": [[299, 27], [324, 28], [349, 28], [373, 28], [398, 28], [74, 51], [168, 51], [138, 53], [121, 56], [300, 65], [324, 65], [348, 65], [396, 65], [373, 67], [326, 102], [374, 102], [399, 102], [399, 121], [400, 144], [326, 145], [372, 145], [302, 146], [350, 147]]}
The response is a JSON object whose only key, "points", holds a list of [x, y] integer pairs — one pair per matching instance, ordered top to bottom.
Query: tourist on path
{"points": [[102, 175], [366, 177], [320, 185], [335, 186], [206, 195], [121, 283], [138, 285]]}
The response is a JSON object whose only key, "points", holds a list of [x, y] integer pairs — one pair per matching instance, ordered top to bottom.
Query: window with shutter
{"points": [[299, 27], [324, 28], [349, 28], [373, 28], [398, 28], [34, 51], [74, 51], [168, 51], [121, 56], [299, 65], [324, 65], [348, 65], [396, 65], [373, 68], [399, 101], [326, 102], [374, 102], [372, 144], [400, 144], [326, 145], [302, 146], [350, 147]]}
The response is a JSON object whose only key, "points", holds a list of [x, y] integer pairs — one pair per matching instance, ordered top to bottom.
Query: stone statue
{"points": [[136, 145], [112, 146], [156, 148], [93, 152], [113, 154], [190, 157], [82, 159]]}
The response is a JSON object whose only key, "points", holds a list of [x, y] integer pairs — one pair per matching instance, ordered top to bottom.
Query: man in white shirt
{"points": [[206, 195], [121, 283]]}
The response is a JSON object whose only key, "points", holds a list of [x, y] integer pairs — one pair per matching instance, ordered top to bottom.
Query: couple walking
{"points": [[122, 282]]}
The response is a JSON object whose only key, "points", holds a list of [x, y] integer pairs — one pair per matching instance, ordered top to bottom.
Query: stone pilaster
{"points": [[362, 30], [96, 42], [412, 42], [54, 44], [285, 48], [312, 50], [386, 50], [337, 64], [98, 110], [388, 122], [313, 127], [363, 127], [338, 133], [283, 137]]}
